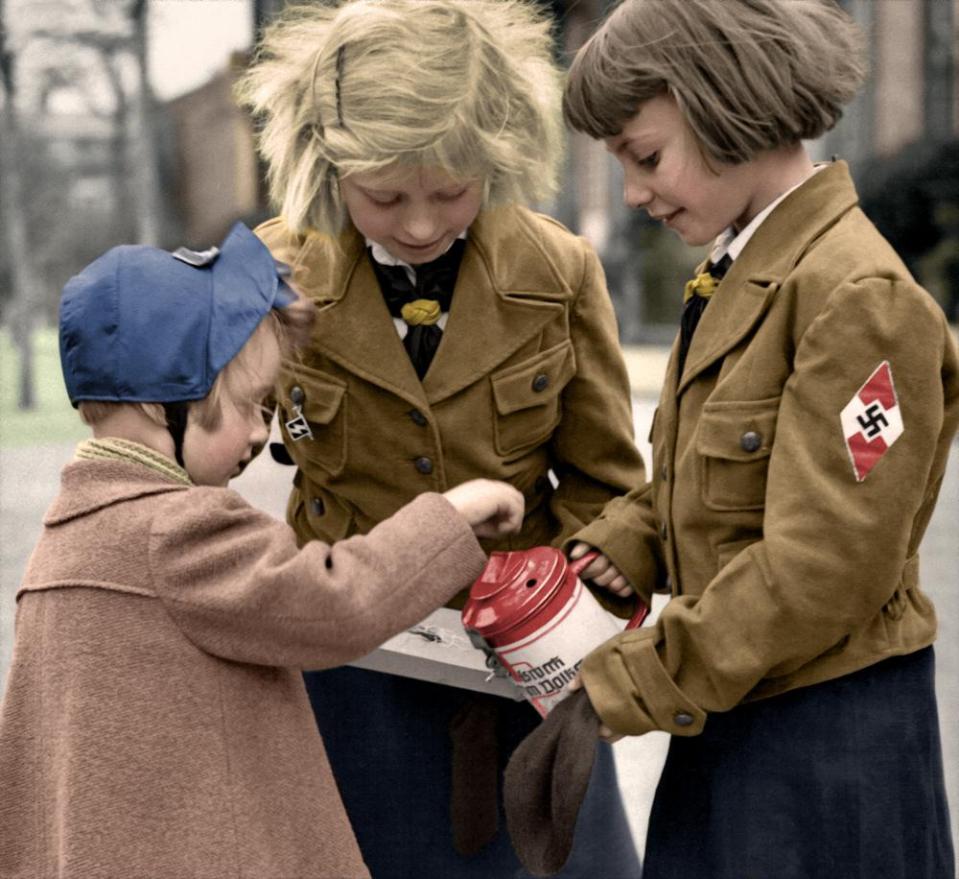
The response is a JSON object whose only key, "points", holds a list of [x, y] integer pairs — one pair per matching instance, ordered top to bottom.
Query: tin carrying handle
{"points": [[577, 566]]}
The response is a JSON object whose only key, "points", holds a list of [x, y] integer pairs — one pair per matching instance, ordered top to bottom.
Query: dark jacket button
{"points": [[541, 382], [297, 396], [418, 417], [750, 441], [424, 465], [541, 484], [319, 508], [681, 718]]}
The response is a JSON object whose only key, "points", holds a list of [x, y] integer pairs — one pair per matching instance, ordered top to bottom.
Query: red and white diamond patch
{"points": [[872, 421]]}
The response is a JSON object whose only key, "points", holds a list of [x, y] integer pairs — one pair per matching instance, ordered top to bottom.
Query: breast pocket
{"points": [[526, 398], [320, 399], [733, 441]]}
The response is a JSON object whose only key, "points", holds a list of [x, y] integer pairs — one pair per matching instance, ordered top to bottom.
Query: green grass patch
{"points": [[53, 419]]}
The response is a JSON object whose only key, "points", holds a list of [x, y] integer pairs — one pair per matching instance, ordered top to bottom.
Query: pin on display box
{"points": [[439, 650]]}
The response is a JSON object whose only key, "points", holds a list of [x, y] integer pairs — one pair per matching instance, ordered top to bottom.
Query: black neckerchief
{"points": [[434, 281]]}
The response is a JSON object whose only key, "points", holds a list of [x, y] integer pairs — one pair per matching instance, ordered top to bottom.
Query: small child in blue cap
{"points": [[155, 722]]}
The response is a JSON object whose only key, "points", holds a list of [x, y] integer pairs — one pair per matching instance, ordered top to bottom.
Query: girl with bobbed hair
{"points": [[459, 334], [798, 449]]}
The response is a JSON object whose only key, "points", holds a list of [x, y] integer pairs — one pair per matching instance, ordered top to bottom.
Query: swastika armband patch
{"points": [[871, 421]]}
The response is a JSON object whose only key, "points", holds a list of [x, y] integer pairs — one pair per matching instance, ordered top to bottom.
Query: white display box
{"points": [[439, 650]]}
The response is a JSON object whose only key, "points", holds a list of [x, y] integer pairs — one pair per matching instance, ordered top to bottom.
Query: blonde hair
{"points": [[748, 75], [469, 86], [291, 326]]}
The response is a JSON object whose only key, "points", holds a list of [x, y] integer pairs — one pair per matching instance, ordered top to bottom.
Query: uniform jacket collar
{"points": [[770, 255], [500, 302], [88, 486]]}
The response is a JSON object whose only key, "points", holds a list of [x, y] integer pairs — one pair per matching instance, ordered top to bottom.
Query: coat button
{"points": [[541, 382], [297, 396], [418, 417], [750, 441], [424, 465], [319, 508], [663, 531], [681, 718]]}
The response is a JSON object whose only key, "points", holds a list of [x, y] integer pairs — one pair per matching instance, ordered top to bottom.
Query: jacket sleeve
{"points": [[594, 453], [834, 549], [234, 582]]}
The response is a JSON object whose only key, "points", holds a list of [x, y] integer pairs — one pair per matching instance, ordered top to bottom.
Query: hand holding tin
{"points": [[601, 571]]}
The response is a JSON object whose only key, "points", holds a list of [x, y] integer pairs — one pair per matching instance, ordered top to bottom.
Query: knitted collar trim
{"points": [[115, 449]]}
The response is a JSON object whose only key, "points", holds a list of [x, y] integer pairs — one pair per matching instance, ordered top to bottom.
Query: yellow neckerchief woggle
{"points": [[704, 284], [421, 311]]}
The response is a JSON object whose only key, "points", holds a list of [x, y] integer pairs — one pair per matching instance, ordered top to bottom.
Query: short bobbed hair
{"points": [[747, 75], [469, 86]]}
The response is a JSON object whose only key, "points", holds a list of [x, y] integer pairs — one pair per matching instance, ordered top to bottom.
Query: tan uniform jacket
{"points": [[528, 378], [784, 569], [154, 722]]}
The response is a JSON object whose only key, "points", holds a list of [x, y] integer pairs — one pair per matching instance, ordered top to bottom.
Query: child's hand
{"points": [[492, 508], [602, 572], [605, 733]]}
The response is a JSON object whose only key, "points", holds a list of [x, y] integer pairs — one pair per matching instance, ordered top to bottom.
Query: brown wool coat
{"points": [[528, 378], [784, 570], [154, 723]]}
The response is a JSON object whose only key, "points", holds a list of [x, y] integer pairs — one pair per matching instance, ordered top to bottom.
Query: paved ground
{"points": [[28, 481]]}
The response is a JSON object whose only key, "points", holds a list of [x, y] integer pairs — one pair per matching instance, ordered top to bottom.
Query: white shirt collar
{"points": [[730, 242]]}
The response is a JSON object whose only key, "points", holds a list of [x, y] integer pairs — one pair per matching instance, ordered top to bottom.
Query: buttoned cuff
{"points": [[632, 692]]}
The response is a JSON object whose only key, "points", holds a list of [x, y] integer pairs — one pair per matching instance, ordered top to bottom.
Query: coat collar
{"points": [[770, 255], [500, 302], [87, 486]]}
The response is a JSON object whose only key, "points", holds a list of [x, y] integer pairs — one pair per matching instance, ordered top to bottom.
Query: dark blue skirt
{"points": [[388, 742], [841, 780]]}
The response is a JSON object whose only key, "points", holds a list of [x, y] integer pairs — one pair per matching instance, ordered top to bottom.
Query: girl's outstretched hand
{"points": [[492, 508], [602, 572]]}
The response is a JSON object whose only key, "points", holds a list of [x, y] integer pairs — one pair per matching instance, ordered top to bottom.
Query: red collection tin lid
{"points": [[513, 587]]}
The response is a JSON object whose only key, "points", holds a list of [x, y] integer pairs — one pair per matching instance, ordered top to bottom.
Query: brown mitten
{"points": [[546, 781], [473, 805]]}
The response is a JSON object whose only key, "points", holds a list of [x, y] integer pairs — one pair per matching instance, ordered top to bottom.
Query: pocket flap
{"points": [[534, 382], [322, 393], [737, 431]]}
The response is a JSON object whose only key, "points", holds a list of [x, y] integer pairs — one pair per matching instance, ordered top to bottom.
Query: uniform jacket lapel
{"points": [[746, 292], [499, 304], [353, 326]]}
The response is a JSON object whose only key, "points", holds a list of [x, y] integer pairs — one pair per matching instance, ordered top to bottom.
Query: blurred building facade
{"points": [[900, 136], [215, 176]]}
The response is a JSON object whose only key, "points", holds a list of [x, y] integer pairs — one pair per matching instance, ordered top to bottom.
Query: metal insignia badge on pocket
{"points": [[298, 427]]}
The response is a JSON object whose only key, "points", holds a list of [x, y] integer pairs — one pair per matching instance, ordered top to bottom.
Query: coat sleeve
{"points": [[594, 453], [834, 549], [234, 582]]}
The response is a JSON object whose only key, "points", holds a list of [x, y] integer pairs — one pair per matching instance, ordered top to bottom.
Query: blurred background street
{"points": [[117, 125]]}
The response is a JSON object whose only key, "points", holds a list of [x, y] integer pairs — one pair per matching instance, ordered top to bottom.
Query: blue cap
{"points": [[142, 325]]}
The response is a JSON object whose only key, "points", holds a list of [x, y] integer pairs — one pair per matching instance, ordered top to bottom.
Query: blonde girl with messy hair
{"points": [[337, 86], [459, 334], [798, 450]]}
